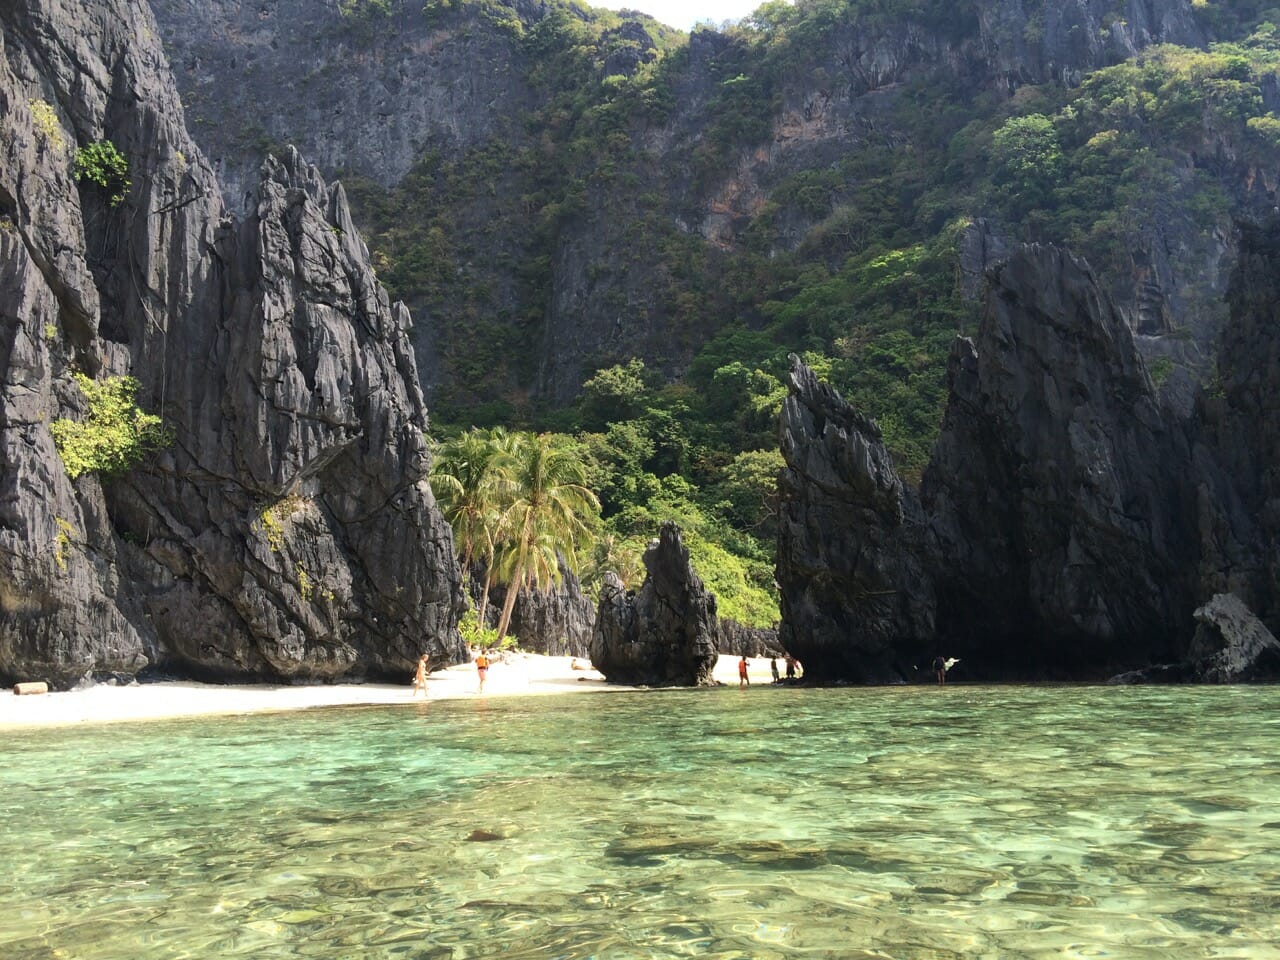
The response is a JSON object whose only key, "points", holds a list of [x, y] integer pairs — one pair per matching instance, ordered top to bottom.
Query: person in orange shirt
{"points": [[482, 669], [743, 679]]}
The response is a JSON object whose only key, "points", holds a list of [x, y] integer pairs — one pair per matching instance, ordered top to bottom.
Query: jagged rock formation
{"points": [[1054, 493], [1240, 500], [287, 531], [1052, 536], [852, 588], [557, 622], [666, 634], [1230, 645]]}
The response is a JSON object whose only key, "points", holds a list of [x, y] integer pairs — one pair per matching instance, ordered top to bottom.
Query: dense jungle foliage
{"points": [[853, 263]]}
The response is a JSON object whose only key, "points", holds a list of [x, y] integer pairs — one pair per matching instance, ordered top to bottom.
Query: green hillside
{"points": [[849, 251]]}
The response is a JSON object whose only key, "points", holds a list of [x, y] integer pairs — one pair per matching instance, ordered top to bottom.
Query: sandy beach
{"points": [[518, 674]]}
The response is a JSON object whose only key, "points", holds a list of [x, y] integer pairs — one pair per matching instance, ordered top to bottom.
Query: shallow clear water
{"points": [[767, 823]]}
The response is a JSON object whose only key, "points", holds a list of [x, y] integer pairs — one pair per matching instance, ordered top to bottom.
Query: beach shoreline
{"points": [[517, 674]]}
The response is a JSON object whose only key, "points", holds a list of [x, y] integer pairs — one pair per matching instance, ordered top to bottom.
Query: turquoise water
{"points": [[767, 823]]}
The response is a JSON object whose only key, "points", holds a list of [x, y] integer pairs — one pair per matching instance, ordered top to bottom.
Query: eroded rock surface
{"points": [[1057, 492], [287, 531], [1055, 532], [854, 593], [557, 622], [666, 634], [1231, 644]]}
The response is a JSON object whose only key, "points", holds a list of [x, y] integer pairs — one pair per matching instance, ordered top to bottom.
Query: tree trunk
{"points": [[484, 595], [509, 604]]}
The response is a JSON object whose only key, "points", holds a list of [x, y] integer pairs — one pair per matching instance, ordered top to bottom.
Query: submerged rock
{"points": [[665, 635]]}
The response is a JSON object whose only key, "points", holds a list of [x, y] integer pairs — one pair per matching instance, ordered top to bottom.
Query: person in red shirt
{"points": [[482, 669], [743, 679]]}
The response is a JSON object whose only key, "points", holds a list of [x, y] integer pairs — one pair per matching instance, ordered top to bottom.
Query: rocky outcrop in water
{"points": [[287, 531], [854, 593], [666, 634], [1230, 645]]}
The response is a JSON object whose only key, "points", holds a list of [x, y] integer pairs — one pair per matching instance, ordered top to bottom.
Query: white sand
{"points": [[517, 674]]}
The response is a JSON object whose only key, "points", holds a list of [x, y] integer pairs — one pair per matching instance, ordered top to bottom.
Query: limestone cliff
{"points": [[405, 92], [1057, 493], [286, 531], [1050, 533], [857, 602], [666, 634]]}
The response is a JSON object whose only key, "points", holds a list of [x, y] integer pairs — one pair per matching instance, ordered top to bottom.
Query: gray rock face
{"points": [[1064, 40], [356, 91], [1057, 493], [1240, 502], [287, 531], [854, 594], [557, 622], [666, 634], [739, 640], [1231, 644]]}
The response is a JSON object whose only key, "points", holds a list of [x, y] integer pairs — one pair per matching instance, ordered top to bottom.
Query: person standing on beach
{"points": [[791, 667], [773, 668], [482, 669], [940, 670], [420, 677], [743, 679]]}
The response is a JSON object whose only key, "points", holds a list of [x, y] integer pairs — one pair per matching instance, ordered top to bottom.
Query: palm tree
{"points": [[469, 481], [548, 513], [613, 553]]}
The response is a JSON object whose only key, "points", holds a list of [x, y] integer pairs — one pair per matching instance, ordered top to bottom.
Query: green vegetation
{"points": [[102, 164], [851, 262], [116, 435], [518, 503], [62, 541]]}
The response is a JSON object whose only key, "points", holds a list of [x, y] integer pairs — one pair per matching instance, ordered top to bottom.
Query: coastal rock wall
{"points": [[1057, 492], [1240, 501], [1056, 528], [286, 530], [855, 596], [666, 634]]}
